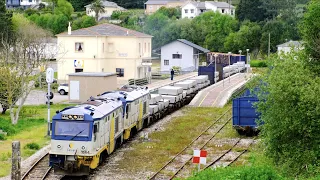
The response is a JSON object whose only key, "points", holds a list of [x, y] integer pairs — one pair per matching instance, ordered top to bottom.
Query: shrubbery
{"points": [[258, 63], [33, 146], [235, 173]]}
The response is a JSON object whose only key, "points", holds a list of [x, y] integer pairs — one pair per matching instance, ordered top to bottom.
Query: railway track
{"points": [[180, 160], [39, 170]]}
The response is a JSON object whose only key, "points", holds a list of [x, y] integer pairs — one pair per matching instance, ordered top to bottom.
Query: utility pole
{"points": [[269, 46]]}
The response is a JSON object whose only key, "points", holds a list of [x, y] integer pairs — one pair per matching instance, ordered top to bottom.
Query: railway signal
{"points": [[49, 79], [199, 157]]}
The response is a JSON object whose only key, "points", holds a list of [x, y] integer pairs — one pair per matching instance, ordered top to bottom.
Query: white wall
{"points": [[27, 3], [189, 14], [172, 48]]}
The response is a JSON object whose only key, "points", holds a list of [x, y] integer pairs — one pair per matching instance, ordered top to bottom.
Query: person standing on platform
{"points": [[172, 73]]}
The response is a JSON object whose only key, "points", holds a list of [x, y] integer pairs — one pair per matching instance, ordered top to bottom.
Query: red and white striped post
{"points": [[199, 157]]}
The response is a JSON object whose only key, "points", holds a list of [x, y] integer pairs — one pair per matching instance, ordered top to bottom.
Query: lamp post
{"points": [[229, 53], [248, 63], [215, 68]]}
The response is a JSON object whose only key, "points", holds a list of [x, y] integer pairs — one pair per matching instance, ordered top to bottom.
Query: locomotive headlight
{"points": [[59, 146]]}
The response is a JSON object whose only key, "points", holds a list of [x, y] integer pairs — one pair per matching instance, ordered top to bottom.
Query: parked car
{"points": [[63, 89]]}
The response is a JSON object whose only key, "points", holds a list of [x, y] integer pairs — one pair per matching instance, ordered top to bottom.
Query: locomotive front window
{"points": [[78, 129]]}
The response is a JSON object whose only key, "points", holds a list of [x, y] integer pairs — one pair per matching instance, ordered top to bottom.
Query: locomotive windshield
{"points": [[66, 128]]}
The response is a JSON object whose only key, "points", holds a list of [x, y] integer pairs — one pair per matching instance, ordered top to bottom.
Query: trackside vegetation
{"points": [[30, 130]]}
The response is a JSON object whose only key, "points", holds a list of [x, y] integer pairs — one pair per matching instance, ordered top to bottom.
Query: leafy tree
{"points": [[132, 4], [78, 5], [97, 7], [275, 7], [64, 8], [251, 10], [170, 12], [83, 22], [5, 23], [154, 25], [276, 28], [210, 30], [311, 35], [248, 37], [18, 60], [289, 107]]}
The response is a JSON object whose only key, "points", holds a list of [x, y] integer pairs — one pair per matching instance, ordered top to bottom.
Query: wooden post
{"points": [[16, 158]]}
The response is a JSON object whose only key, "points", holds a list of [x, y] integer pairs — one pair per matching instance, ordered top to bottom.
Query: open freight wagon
{"points": [[244, 114]]}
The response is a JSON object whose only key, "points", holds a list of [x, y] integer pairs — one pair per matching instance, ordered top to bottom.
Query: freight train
{"points": [[83, 135]]}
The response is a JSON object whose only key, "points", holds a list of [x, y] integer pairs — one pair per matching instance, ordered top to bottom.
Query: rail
{"points": [[191, 143], [36, 171]]}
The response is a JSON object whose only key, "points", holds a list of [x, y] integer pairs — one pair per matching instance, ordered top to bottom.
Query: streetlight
{"points": [[229, 53], [248, 63], [215, 68]]}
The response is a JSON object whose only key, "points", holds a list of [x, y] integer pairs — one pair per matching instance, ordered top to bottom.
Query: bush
{"points": [[258, 63], [2, 137], [33, 146], [234, 173]]}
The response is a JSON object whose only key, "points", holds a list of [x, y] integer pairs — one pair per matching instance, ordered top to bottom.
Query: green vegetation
{"points": [[258, 63], [31, 129], [167, 142], [32, 145]]}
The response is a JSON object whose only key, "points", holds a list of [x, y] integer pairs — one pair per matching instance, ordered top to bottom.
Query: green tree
{"points": [[78, 5], [97, 7], [65, 8], [251, 10], [170, 12], [83, 22], [154, 25], [276, 28], [210, 30], [6, 32], [311, 35], [248, 37], [289, 107]]}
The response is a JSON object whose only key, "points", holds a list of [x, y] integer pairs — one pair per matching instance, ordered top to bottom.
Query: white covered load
{"points": [[200, 79], [184, 84], [194, 84], [170, 90], [155, 98], [172, 99], [153, 109]]}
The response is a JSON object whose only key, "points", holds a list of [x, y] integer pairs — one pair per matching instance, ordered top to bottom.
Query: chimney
{"points": [[69, 29], [127, 33]]}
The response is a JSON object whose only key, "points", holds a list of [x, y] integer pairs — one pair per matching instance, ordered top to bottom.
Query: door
{"points": [[74, 90]]}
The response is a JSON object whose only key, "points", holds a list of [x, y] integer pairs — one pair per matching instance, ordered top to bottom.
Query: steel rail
{"points": [[219, 118], [184, 164], [34, 165], [47, 173]]}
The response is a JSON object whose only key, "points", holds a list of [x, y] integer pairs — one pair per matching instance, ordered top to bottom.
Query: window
{"points": [[30, 0], [192, 10], [186, 11], [222, 11], [231, 12], [79, 47], [110, 47], [145, 47], [149, 47], [139, 48], [176, 56], [166, 62], [120, 72], [144, 108], [127, 111], [116, 126], [64, 128]]}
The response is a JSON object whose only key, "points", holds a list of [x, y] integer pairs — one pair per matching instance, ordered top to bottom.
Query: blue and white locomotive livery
{"points": [[83, 135]]}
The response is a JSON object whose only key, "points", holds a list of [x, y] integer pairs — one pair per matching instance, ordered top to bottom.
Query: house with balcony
{"points": [[22, 3], [151, 6], [109, 8], [193, 8], [104, 48], [181, 53]]}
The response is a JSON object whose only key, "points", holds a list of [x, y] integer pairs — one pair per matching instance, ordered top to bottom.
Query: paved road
{"points": [[37, 97]]}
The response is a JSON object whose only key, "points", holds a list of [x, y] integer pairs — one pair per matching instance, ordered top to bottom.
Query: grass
{"points": [[31, 129], [164, 144]]}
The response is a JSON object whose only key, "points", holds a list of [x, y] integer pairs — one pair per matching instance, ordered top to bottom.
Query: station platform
{"points": [[217, 95]]}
